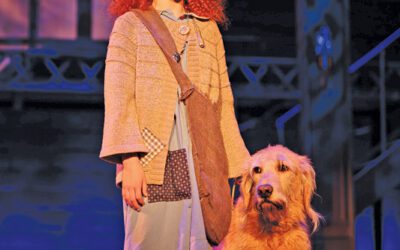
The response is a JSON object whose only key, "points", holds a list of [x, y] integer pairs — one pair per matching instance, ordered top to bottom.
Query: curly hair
{"points": [[213, 9]]}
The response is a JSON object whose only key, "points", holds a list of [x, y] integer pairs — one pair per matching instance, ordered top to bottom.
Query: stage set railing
{"points": [[45, 66], [45, 70], [61, 71], [389, 143]]}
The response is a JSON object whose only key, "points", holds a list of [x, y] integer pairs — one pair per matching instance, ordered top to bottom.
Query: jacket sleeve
{"points": [[121, 133], [235, 147]]}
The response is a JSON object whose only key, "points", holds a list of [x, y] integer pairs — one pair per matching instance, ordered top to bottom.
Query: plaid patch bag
{"points": [[176, 185]]}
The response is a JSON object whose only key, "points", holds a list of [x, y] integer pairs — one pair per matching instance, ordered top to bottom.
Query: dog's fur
{"points": [[282, 220]]}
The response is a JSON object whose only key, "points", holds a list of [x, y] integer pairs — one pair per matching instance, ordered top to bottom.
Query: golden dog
{"points": [[274, 210]]}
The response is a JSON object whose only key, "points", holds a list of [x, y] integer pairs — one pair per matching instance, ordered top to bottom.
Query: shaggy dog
{"points": [[274, 210]]}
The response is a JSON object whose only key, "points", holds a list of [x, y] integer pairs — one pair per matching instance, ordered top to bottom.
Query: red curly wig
{"points": [[213, 9]]}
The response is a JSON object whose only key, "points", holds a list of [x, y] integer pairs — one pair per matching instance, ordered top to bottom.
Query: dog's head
{"points": [[279, 184]]}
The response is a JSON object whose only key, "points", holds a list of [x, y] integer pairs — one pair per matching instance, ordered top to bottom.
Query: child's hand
{"points": [[134, 185]]}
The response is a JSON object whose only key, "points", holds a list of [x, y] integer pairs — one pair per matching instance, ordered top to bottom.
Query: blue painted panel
{"points": [[390, 229], [364, 230]]}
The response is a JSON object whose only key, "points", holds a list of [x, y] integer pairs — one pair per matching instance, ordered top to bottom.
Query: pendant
{"points": [[184, 29]]}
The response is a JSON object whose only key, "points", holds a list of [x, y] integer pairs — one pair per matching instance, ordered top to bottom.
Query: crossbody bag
{"points": [[209, 155]]}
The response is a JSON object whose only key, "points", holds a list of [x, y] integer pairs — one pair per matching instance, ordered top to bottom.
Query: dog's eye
{"points": [[283, 168], [257, 170]]}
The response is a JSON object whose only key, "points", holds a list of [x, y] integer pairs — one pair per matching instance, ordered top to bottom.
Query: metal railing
{"points": [[73, 68], [385, 68], [266, 77], [380, 80]]}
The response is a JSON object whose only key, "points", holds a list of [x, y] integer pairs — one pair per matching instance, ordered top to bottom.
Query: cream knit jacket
{"points": [[140, 92]]}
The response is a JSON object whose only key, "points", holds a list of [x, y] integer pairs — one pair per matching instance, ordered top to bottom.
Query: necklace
{"points": [[184, 30], [200, 41]]}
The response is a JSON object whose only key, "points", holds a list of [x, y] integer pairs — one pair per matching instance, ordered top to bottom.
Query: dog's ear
{"points": [[246, 187], [309, 187]]}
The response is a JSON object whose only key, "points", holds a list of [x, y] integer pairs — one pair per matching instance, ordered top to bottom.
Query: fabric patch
{"points": [[153, 144], [176, 185]]}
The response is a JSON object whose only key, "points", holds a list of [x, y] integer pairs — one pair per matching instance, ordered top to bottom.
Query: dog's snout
{"points": [[265, 191]]}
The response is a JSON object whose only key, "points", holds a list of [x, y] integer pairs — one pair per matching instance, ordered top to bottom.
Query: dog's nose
{"points": [[265, 191]]}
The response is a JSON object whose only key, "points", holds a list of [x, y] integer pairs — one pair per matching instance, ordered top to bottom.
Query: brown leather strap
{"points": [[153, 22]]}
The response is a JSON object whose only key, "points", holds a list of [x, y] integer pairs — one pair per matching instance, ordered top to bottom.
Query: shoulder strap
{"points": [[153, 22]]}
